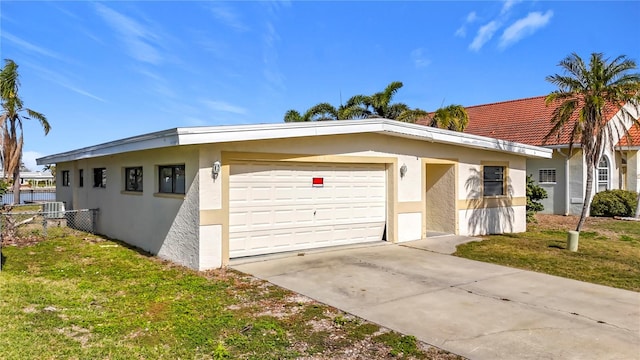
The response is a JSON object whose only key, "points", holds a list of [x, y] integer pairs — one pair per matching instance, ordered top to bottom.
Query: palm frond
{"points": [[292, 116]]}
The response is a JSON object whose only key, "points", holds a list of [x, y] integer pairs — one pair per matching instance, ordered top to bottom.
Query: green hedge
{"points": [[614, 203]]}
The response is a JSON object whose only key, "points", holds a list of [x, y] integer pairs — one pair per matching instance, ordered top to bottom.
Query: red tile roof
{"points": [[525, 121], [634, 136]]}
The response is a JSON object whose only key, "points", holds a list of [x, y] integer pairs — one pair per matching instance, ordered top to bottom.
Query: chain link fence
{"points": [[20, 223]]}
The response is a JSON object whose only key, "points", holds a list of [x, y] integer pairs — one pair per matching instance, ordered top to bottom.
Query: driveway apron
{"points": [[474, 309]]}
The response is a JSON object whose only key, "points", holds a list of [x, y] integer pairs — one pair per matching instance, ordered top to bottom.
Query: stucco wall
{"points": [[633, 166], [409, 192], [441, 199], [556, 202], [166, 225]]}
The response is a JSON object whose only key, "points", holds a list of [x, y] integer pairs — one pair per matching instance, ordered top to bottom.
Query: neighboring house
{"points": [[528, 121], [33, 178], [36, 178], [202, 195]]}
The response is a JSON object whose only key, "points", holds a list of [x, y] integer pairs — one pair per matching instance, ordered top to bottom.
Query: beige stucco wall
{"points": [[441, 201], [409, 212], [193, 229]]}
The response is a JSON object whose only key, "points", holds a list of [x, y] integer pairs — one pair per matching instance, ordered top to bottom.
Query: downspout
{"points": [[566, 182]]}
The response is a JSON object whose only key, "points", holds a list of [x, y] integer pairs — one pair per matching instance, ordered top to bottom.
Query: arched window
{"points": [[603, 174]]}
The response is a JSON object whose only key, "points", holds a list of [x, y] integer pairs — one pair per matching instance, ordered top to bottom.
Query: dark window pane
{"points": [[494, 173], [99, 177], [65, 178], [133, 179], [166, 179], [179, 180], [493, 180], [493, 188]]}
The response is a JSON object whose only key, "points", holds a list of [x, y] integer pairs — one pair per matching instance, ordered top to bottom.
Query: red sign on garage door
{"points": [[317, 182]]}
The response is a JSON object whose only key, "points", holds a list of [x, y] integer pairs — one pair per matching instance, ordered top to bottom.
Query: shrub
{"points": [[534, 194], [614, 203]]}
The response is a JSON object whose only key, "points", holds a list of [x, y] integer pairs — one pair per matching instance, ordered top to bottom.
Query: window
{"points": [[603, 174], [547, 176], [100, 177], [65, 178], [80, 178], [133, 179], [171, 179], [493, 180]]}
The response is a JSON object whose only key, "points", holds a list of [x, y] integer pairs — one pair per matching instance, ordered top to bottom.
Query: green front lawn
{"points": [[608, 253], [78, 296]]}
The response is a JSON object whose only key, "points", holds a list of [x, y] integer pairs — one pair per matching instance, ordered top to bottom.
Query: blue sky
{"points": [[102, 71]]}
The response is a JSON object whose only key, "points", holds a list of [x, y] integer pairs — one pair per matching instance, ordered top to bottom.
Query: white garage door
{"points": [[276, 207]]}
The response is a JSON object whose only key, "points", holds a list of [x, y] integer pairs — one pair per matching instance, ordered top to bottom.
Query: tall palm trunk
{"points": [[16, 186], [587, 195]]}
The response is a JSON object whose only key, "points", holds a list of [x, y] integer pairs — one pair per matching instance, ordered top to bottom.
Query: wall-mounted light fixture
{"points": [[216, 169], [403, 170]]}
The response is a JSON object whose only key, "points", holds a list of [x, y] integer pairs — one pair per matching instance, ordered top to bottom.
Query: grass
{"points": [[608, 253], [78, 296]]}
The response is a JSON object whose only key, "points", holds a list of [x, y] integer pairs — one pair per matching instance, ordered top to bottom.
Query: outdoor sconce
{"points": [[216, 169], [403, 170]]}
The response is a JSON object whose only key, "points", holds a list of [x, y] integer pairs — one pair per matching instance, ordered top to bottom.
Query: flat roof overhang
{"points": [[238, 133]]}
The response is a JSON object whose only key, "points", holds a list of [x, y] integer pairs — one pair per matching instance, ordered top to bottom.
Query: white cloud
{"points": [[508, 4], [472, 16], [228, 17], [524, 27], [462, 30], [485, 33], [140, 41], [25, 45], [419, 58], [272, 74], [63, 81], [223, 106], [29, 160]]}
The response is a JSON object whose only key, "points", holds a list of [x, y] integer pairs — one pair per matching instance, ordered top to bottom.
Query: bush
{"points": [[534, 194], [614, 203]]}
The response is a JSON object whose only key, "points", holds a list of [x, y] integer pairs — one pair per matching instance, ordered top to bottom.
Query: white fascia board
{"points": [[218, 134], [222, 134], [154, 140], [467, 140]]}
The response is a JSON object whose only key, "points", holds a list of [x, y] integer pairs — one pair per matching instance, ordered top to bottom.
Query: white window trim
{"points": [[607, 182]]}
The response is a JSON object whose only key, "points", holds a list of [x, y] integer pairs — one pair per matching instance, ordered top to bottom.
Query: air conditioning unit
{"points": [[53, 210]]}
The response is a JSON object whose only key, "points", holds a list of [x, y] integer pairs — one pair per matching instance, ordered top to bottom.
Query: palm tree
{"points": [[580, 100], [377, 105], [381, 105], [353, 109], [13, 113], [452, 117]]}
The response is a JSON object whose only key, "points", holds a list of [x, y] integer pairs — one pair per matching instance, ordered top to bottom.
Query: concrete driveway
{"points": [[474, 309]]}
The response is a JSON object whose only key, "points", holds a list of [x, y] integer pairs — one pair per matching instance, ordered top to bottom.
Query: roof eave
{"points": [[220, 134], [143, 142]]}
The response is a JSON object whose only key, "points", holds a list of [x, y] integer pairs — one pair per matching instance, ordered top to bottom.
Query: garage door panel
{"points": [[274, 207], [292, 239]]}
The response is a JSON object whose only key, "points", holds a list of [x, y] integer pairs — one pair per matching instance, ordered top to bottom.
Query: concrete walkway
{"points": [[474, 309]]}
